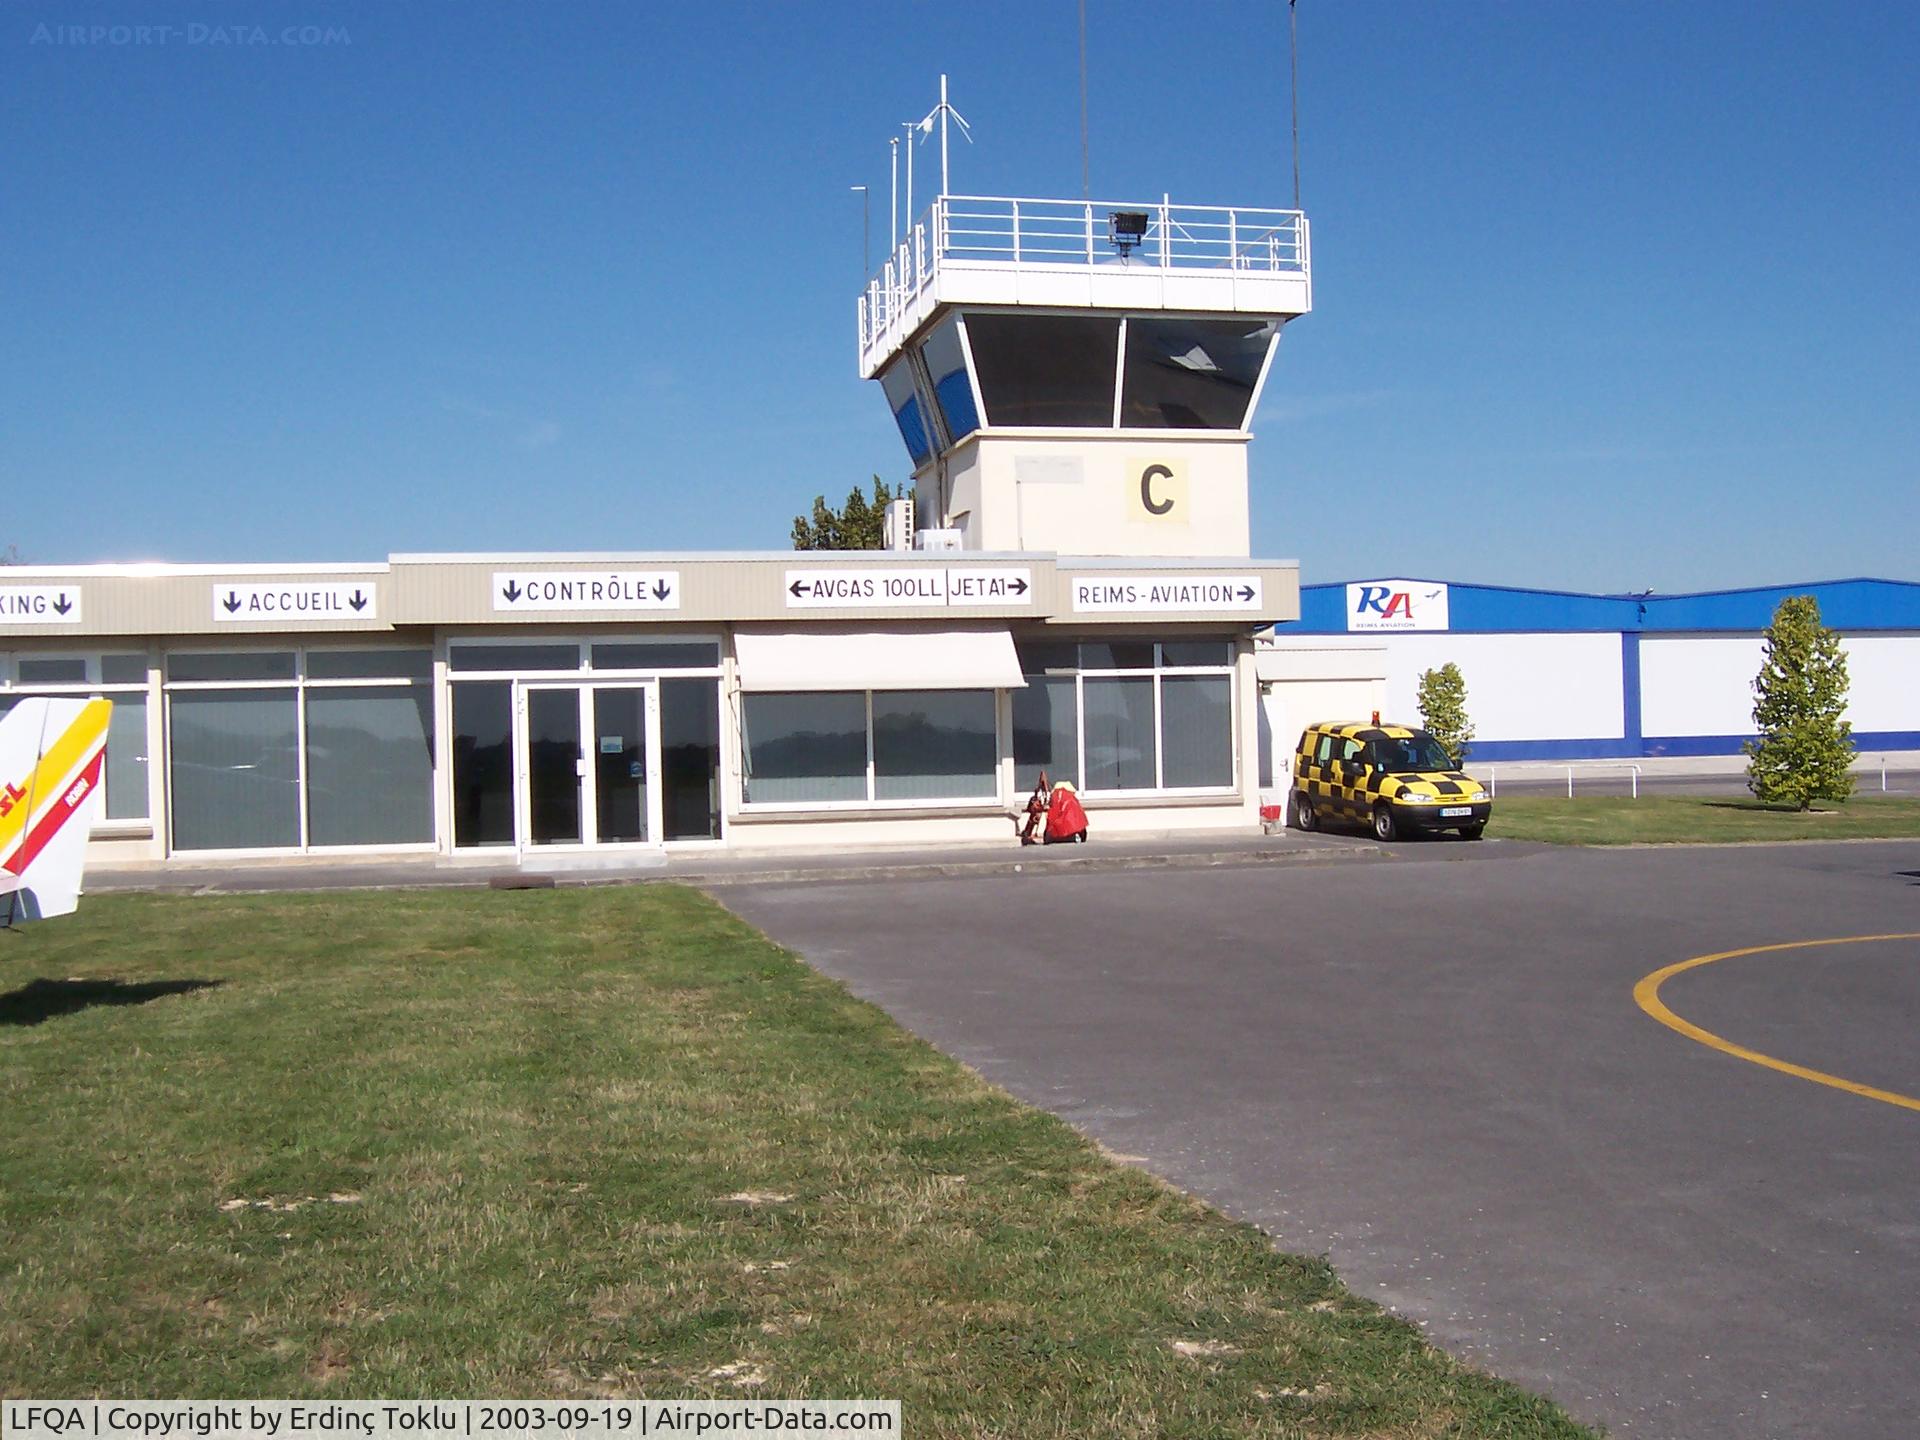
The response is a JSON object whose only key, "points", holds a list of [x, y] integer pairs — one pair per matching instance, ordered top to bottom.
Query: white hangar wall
{"points": [[1693, 685], [1702, 685], [1519, 687]]}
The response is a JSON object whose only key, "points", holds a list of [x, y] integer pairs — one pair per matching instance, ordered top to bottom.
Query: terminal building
{"points": [[1074, 591], [1556, 675]]}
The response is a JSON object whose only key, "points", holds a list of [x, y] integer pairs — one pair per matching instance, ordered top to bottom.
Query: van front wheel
{"points": [[1303, 815], [1383, 826]]}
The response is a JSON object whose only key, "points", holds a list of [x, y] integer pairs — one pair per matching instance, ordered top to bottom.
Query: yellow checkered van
{"points": [[1394, 779]]}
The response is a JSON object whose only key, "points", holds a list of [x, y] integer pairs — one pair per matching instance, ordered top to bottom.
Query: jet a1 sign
{"points": [[1396, 605]]}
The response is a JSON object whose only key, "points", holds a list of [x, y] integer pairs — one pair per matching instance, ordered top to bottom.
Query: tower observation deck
{"points": [[1080, 375]]}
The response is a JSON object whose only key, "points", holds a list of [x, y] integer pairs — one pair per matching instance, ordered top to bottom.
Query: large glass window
{"points": [[946, 362], [1049, 370], [1192, 374], [904, 398], [657, 655], [469, 659], [231, 665], [119, 678], [1118, 715], [1196, 721], [1046, 731], [1119, 733], [898, 745], [934, 745], [801, 747], [290, 750], [127, 757], [690, 759], [483, 763], [370, 765], [236, 769]]}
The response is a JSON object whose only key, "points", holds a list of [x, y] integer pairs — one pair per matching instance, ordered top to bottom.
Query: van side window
{"points": [[1328, 744], [1352, 750]]}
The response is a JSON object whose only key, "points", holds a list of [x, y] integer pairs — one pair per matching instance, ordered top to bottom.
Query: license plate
{"points": [[1455, 811]]}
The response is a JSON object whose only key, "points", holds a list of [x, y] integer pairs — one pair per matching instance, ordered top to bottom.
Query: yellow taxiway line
{"points": [[1646, 995]]}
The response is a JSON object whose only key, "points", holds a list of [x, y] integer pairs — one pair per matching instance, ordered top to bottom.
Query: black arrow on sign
{"points": [[1019, 587], [661, 589], [796, 589], [511, 590], [1246, 592], [357, 600], [232, 602], [61, 605]]}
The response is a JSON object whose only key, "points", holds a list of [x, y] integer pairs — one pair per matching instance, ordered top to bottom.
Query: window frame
{"points": [[1158, 671], [300, 684], [93, 687], [991, 803]]}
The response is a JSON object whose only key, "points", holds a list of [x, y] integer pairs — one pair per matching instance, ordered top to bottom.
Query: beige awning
{"points": [[877, 660]]}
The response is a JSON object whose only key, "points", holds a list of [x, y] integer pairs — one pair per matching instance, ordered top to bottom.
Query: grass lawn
{"points": [[1618, 820], [609, 1141]]}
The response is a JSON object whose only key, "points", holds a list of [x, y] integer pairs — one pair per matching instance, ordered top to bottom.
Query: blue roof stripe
{"points": [[1860, 603]]}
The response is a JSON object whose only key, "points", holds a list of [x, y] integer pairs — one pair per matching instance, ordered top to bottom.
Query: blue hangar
{"points": [[1559, 675]]}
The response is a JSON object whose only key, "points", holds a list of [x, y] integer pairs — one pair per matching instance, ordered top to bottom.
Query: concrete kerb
{"points": [[728, 869]]}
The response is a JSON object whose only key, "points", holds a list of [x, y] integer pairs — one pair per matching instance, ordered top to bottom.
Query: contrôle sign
{"points": [[531, 590]]}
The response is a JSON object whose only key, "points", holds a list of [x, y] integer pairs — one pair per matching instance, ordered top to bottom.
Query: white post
{"points": [[908, 127], [943, 136], [893, 198], [1569, 782]]}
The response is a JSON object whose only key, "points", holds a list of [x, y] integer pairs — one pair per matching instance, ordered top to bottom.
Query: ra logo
{"points": [[1384, 601]]}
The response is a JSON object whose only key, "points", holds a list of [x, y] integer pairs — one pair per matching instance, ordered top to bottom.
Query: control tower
{"points": [[1079, 376]]}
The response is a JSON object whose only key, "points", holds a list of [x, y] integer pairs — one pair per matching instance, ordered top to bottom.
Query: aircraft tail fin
{"points": [[52, 758]]}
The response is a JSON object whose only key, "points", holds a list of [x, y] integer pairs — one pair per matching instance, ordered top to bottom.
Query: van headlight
{"points": [[1477, 796], [1416, 799]]}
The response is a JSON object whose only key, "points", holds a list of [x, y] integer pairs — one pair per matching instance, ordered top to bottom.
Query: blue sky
{"points": [[1608, 296]]}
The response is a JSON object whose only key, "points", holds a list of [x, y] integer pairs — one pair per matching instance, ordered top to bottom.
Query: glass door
{"points": [[589, 758], [622, 765], [554, 766]]}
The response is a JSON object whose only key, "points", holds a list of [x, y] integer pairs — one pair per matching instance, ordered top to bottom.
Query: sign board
{"points": [[1157, 492], [988, 585], [867, 589], [526, 591], [1166, 594], [296, 600], [39, 605], [1396, 605]]}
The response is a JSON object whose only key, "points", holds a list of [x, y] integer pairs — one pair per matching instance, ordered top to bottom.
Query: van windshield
{"points": [[1415, 753]]}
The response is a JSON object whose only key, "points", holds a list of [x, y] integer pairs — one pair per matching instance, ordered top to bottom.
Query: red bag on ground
{"points": [[1065, 819]]}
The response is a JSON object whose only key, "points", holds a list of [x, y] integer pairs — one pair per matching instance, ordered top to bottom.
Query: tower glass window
{"points": [[946, 360], [1051, 370], [1193, 374], [903, 399]]}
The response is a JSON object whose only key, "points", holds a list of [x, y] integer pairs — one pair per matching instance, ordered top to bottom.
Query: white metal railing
{"points": [[994, 230], [1493, 773]]}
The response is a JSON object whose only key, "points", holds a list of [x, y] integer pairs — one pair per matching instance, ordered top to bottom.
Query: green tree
{"points": [[856, 525], [1442, 698], [1799, 708]]}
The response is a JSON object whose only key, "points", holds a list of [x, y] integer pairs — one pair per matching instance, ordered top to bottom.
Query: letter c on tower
{"points": [[1147, 477]]}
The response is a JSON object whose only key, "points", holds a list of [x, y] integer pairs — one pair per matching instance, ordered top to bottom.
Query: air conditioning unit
{"points": [[897, 526], [937, 540]]}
